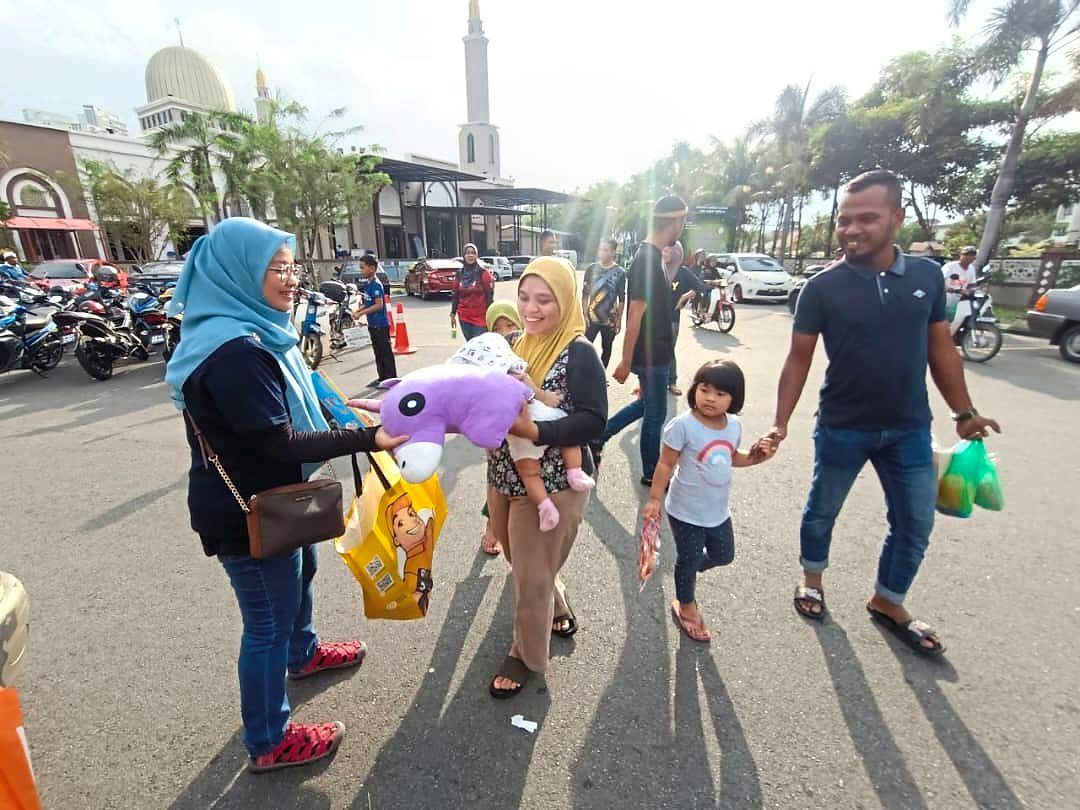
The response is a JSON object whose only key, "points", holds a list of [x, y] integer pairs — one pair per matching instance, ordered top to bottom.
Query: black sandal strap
{"points": [[514, 669]]}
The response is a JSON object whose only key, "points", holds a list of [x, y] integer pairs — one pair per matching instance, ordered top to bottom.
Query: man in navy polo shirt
{"points": [[882, 317]]}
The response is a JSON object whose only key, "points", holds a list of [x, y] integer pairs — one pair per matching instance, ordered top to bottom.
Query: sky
{"points": [[581, 90]]}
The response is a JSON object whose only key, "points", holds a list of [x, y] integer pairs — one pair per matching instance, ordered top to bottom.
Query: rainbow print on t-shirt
{"points": [[714, 461]]}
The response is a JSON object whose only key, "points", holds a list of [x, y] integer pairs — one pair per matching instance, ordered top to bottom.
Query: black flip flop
{"points": [[815, 596], [567, 617], [912, 633], [514, 669]]}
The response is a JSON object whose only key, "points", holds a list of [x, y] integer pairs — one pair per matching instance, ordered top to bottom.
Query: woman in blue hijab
{"points": [[238, 375]]}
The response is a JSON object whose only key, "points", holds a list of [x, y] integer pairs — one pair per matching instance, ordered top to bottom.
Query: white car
{"points": [[499, 266], [755, 277]]}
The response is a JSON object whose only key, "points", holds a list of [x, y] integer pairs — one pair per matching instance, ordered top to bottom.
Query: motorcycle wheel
{"points": [[736, 294], [726, 318], [981, 342], [312, 349], [48, 357], [95, 362]]}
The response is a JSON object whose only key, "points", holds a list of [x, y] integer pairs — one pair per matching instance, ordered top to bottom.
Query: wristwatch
{"points": [[968, 414]]}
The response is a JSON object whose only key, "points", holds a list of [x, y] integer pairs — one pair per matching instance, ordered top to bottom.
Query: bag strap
{"points": [[209, 454], [378, 471]]}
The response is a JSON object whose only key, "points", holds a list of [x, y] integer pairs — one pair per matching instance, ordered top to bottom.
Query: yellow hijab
{"points": [[503, 309], [541, 351]]}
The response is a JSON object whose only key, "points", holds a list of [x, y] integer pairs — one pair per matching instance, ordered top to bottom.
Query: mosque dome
{"points": [[185, 74]]}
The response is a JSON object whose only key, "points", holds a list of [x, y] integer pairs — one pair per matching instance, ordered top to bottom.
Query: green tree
{"points": [[1012, 29], [789, 130], [193, 144], [1047, 174], [310, 181], [138, 212]]}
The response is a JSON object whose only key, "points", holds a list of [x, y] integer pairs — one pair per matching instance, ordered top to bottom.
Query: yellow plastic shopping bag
{"points": [[389, 541]]}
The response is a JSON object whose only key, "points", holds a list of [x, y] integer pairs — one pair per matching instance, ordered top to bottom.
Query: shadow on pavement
{"points": [[710, 338], [1048, 375], [70, 393], [131, 506], [874, 743], [468, 755], [631, 758], [981, 776], [225, 783], [740, 784]]}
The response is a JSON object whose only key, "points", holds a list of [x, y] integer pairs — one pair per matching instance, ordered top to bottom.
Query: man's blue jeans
{"points": [[651, 409], [904, 463], [275, 596]]}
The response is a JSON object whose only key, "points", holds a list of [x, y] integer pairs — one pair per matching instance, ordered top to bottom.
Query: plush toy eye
{"points": [[412, 404]]}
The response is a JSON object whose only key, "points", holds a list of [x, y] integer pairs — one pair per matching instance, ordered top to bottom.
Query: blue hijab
{"points": [[220, 295]]}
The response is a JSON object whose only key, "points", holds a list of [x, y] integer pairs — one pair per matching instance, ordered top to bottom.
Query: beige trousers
{"points": [[536, 558]]}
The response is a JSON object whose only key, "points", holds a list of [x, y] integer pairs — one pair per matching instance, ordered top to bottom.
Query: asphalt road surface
{"points": [[130, 693]]}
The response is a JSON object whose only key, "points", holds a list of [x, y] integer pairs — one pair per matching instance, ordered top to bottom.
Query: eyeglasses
{"points": [[286, 271]]}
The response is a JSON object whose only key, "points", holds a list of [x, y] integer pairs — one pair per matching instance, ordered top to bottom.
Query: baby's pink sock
{"points": [[579, 481], [549, 515]]}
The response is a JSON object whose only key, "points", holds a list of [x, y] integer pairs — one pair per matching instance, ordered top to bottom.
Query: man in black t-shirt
{"points": [[648, 343]]}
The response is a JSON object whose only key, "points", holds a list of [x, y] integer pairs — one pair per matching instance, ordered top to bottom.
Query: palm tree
{"points": [[1015, 27], [789, 130], [192, 143]]}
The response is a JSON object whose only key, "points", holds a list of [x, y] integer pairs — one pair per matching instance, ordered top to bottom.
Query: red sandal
{"points": [[332, 655], [301, 745]]}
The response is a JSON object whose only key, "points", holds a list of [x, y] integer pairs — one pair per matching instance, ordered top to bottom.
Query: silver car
{"points": [[499, 266], [1056, 316]]}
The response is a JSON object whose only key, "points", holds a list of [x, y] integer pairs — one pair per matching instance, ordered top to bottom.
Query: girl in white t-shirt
{"points": [[700, 448]]}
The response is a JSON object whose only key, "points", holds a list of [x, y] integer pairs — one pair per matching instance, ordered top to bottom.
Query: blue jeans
{"points": [[471, 330], [673, 374], [651, 409], [904, 463], [699, 548], [274, 594]]}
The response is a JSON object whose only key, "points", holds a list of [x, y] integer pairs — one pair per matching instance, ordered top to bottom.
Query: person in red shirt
{"points": [[473, 294]]}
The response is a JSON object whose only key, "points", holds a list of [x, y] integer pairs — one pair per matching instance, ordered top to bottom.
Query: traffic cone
{"points": [[390, 318], [401, 334], [17, 789]]}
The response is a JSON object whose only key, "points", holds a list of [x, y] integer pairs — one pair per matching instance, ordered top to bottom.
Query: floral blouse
{"points": [[503, 475]]}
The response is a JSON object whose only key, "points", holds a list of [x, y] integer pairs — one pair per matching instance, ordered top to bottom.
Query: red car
{"points": [[72, 274], [430, 277]]}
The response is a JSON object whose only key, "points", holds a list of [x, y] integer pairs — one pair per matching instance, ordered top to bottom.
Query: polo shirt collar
{"points": [[897, 268]]}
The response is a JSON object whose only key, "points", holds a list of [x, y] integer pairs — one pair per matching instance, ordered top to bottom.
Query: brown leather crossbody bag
{"points": [[282, 519]]}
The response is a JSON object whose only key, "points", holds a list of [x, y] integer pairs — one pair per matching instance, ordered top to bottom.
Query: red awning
{"points": [[51, 224]]}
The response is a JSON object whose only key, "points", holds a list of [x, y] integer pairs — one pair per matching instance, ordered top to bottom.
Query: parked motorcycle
{"points": [[108, 302], [719, 309], [341, 313], [148, 321], [172, 323], [311, 331], [978, 335], [28, 340], [100, 343]]}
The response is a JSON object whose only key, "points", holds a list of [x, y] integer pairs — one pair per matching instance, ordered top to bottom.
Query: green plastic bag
{"points": [[969, 480]]}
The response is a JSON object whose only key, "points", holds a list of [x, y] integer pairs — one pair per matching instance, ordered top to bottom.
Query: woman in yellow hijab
{"points": [[559, 360]]}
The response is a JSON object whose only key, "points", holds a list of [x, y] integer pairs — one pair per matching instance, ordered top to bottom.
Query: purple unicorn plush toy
{"points": [[479, 403]]}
